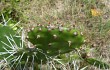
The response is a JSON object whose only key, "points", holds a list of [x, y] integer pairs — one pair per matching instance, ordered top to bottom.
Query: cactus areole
{"points": [[54, 40]]}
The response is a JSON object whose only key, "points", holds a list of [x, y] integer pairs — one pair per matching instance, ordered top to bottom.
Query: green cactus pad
{"points": [[5, 40], [56, 40]]}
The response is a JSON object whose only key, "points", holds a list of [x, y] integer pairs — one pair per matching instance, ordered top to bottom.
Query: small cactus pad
{"points": [[54, 40]]}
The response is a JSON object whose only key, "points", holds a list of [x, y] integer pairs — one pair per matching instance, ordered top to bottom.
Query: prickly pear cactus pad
{"points": [[5, 31], [7, 38], [54, 40]]}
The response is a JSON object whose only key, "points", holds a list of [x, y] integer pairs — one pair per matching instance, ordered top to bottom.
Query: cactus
{"points": [[6, 32], [55, 40], [48, 41], [53, 43], [8, 44]]}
